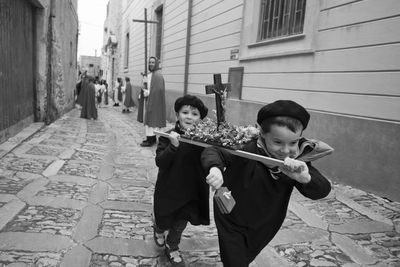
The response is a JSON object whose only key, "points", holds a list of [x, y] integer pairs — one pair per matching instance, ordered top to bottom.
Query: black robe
{"points": [[78, 88], [119, 90], [81, 93], [128, 103], [89, 110], [181, 191], [261, 203]]}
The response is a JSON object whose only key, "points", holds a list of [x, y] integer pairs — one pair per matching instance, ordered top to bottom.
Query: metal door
{"points": [[16, 61]]}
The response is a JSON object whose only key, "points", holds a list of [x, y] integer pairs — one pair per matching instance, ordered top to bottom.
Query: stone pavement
{"points": [[79, 193]]}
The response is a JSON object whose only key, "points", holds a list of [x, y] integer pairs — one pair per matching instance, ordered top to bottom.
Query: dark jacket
{"points": [[181, 191], [261, 200]]}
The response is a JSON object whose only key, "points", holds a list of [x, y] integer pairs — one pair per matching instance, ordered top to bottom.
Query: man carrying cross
{"points": [[151, 106], [154, 108]]}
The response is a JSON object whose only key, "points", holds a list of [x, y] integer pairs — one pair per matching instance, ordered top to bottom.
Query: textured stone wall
{"points": [[56, 76]]}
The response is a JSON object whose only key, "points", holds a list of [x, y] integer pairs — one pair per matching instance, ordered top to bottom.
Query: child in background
{"points": [[99, 93], [181, 192], [262, 192]]}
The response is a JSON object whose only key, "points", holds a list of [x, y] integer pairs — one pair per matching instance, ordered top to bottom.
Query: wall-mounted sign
{"points": [[234, 54]]}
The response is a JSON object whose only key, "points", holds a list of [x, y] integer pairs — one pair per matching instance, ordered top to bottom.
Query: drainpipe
{"points": [[188, 33], [49, 76]]}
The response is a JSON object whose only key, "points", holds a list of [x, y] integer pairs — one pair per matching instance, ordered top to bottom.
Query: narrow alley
{"points": [[79, 193]]}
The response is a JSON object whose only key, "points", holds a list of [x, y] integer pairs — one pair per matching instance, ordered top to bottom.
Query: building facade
{"points": [[112, 34], [339, 59], [91, 65], [39, 67]]}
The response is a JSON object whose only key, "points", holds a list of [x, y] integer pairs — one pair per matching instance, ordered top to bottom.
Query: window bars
{"points": [[281, 18]]}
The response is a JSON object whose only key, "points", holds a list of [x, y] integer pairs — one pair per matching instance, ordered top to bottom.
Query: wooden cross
{"points": [[145, 21], [144, 74], [220, 90]]}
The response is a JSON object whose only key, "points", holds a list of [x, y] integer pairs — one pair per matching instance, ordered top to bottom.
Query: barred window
{"points": [[281, 18]]}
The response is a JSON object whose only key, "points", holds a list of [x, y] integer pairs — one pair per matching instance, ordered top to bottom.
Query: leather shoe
{"points": [[150, 141], [145, 143]]}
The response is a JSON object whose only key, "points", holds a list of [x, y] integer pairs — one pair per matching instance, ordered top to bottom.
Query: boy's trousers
{"points": [[174, 234]]}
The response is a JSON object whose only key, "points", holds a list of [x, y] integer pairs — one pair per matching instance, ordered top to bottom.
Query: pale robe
{"points": [[154, 106]]}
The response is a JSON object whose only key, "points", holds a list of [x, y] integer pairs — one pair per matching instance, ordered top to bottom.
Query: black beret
{"points": [[190, 100], [285, 108]]}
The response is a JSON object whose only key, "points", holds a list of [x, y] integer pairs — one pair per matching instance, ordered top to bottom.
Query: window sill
{"points": [[278, 40], [278, 54], [126, 70]]}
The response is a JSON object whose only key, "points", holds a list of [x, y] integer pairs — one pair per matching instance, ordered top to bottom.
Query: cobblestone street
{"points": [[79, 193]]}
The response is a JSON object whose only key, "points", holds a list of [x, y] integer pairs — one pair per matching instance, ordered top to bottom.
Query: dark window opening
{"points": [[159, 16], [280, 18], [126, 51]]}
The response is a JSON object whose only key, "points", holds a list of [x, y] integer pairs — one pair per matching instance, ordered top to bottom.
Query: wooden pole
{"points": [[145, 21], [145, 41], [145, 85], [266, 160]]}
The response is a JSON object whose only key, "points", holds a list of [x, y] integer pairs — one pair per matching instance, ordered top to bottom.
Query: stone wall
{"points": [[56, 72]]}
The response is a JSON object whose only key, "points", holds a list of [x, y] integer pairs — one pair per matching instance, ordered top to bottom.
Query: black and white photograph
{"points": [[199, 133]]}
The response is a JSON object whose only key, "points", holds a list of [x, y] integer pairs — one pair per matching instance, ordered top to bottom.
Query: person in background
{"points": [[81, 86], [78, 88], [104, 89], [118, 92], [99, 93], [128, 102], [154, 108], [89, 110], [262, 192], [181, 193]]}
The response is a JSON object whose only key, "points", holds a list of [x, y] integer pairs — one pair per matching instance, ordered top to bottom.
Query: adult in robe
{"points": [[81, 86], [105, 86], [78, 89], [119, 90], [128, 102], [89, 110], [154, 111]]}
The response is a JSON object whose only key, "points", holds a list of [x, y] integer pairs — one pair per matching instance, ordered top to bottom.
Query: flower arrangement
{"points": [[227, 135]]}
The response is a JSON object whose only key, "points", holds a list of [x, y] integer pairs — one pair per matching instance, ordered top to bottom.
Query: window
{"points": [[159, 14], [281, 18], [276, 28], [71, 56], [126, 62]]}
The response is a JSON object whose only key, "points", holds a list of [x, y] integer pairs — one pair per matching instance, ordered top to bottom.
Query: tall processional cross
{"points": [[145, 21], [220, 90]]}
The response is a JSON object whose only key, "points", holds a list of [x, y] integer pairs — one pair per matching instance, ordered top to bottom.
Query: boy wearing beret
{"points": [[262, 192], [181, 193]]}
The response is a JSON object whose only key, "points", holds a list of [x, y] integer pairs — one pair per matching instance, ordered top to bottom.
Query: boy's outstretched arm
{"points": [[317, 187]]}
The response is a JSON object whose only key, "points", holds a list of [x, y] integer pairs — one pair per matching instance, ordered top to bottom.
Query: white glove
{"points": [[296, 169], [215, 178]]}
